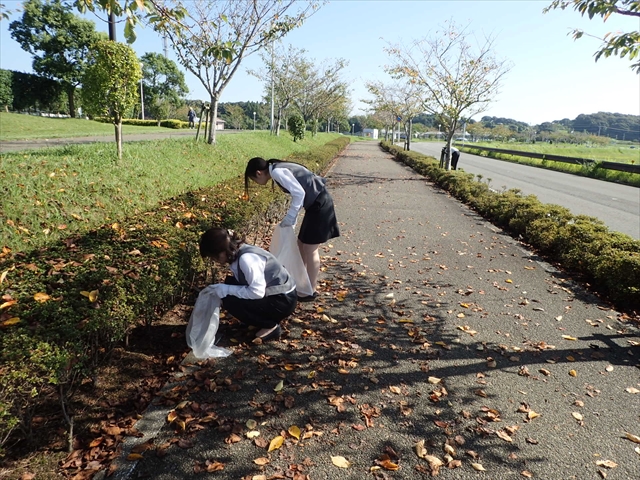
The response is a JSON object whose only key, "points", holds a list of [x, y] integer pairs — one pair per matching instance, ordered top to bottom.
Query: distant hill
{"points": [[613, 125]]}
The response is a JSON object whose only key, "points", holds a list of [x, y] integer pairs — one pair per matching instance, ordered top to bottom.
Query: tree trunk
{"points": [[71, 90], [213, 112], [118, 124]]}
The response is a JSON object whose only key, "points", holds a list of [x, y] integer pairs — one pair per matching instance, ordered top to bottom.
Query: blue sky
{"points": [[552, 76]]}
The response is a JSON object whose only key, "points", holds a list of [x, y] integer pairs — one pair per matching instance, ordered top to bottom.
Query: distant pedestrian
{"points": [[192, 117], [455, 156], [307, 191], [260, 292]]}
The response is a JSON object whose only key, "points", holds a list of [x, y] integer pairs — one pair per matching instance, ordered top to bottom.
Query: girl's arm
{"points": [[285, 179], [252, 266]]}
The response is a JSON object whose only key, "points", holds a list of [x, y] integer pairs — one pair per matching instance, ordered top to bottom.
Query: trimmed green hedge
{"points": [[171, 123], [608, 261], [94, 288]]}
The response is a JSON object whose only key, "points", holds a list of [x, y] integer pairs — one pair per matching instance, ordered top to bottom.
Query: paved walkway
{"points": [[433, 327]]}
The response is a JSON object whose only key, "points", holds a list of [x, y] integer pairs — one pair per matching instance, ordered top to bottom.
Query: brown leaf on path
{"points": [[504, 436], [633, 438], [185, 443], [143, 447], [420, 449], [261, 461], [340, 461], [606, 463], [478, 467], [526, 473]]}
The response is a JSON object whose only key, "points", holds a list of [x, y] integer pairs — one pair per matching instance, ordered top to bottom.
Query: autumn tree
{"points": [[155, 12], [214, 37], [58, 40], [613, 43], [280, 65], [456, 77], [110, 84], [164, 85], [318, 88], [383, 105]]}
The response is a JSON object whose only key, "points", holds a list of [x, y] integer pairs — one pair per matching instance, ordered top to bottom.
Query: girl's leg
{"points": [[311, 260]]}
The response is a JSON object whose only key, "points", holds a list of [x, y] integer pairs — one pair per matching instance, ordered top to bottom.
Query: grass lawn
{"points": [[14, 126], [621, 153], [57, 192]]}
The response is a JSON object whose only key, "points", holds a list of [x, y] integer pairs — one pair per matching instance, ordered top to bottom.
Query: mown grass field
{"points": [[14, 126], [621, 152], [49, 195]]}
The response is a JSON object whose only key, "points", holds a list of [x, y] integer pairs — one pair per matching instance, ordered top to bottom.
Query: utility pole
{"points": [[112, 27]]}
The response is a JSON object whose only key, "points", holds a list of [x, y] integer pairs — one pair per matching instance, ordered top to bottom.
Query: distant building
{"points": [[370, 133]]}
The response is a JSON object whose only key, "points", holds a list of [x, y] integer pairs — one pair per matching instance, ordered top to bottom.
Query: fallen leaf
{"points": [[92, 295], [41, 297], [10, 321], [569, 337], [573, 373], [434, 380], [279, 386], [395, 390], [631, 390], [531, 415], [577, 416], [251, 424], [294, 431], [504, 436], [633, 438], [276, 443], [420, 449], [132, 457], [261, 461], [339, 461], [606, 463], [478, 467], [526, 473]]}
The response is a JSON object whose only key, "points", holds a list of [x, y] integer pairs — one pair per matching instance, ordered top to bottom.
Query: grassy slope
{"points": [[14, 126], [54, 193]]}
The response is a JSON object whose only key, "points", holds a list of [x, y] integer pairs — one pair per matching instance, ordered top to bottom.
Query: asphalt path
{"points": [[618, 206], [432, 325]]}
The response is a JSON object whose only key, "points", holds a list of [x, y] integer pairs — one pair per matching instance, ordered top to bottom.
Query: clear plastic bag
{"points": [[284, 247], [203, 326]]}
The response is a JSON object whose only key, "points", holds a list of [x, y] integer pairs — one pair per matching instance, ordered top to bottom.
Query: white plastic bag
{"points": [[284, 247], [203, 326]]}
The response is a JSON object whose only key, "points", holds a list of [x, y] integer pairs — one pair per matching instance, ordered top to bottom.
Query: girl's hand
{"points": [[288, 221]]}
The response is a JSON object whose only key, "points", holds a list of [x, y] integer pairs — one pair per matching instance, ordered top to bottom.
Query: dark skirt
{"points": [[320, 223], [265, 312]]}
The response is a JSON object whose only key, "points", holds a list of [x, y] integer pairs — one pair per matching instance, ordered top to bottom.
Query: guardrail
{"points": [[621, 167]]}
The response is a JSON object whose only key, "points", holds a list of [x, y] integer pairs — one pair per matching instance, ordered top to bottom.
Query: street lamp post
{"points": [[141, 96], [254, 120], [353, 129], [438, 131]]}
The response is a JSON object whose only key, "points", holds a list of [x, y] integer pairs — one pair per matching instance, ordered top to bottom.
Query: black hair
{"points": [[253, 166], [217, 240]]}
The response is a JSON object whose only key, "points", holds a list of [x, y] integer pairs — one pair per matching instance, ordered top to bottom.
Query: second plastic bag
{"points": [[284, 247], [203, 326]]}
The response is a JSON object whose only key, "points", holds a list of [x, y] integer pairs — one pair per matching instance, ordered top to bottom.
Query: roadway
{"points": [[617, 205]]}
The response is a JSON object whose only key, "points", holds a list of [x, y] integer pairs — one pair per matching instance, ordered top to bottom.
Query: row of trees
{"points": [[209, 38], [61, 44]]}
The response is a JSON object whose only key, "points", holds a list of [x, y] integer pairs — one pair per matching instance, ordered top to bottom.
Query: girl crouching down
{"points": [[260, 292]]}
